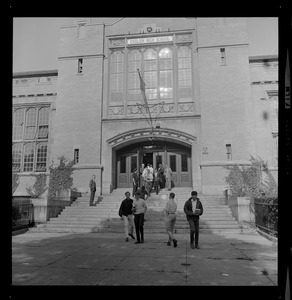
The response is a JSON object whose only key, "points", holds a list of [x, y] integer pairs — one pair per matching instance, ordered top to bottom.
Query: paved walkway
{"points": [[106, 259]]}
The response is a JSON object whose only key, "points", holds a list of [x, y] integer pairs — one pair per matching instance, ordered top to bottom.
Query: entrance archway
{"points": [[165, 146]]}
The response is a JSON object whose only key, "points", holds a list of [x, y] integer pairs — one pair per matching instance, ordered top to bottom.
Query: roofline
{"points": [[263, 58], [35, 73]]}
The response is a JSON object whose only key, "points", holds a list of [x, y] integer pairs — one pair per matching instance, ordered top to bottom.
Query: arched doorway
{"points": [[175, 155]]}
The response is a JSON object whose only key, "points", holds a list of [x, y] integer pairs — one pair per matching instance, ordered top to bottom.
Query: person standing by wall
{"points": [[141, 175], [168, 175], [144, 176], [149, 179], [135, 181], [156, 181], [92, 186], [193, 208], [139, 210], [126, 213], [170, 218]]}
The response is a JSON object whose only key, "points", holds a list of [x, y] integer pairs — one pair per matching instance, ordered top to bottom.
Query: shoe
{"points": [[131, 235], [127, 239], [142, 241], [137, 242], [174, 243], [168, 244], [192, 246], [197, 247]]}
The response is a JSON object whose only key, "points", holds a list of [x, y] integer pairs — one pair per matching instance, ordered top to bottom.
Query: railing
{"points": [[22, 216], [266, 217]]}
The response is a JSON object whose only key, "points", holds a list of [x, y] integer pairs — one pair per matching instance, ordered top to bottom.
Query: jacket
{"points": [[92, 185], [126, 207], [188, 209]]}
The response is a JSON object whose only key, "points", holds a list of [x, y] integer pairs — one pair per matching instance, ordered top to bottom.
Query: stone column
{"points": [[196, 171]]}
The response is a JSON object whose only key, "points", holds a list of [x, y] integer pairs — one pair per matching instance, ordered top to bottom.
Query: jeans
{"points": [[128, 220], [139, 223], [169, 224], [194, 230]]}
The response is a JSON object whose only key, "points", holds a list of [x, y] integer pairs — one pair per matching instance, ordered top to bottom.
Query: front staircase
{"points": [[81, 218]]}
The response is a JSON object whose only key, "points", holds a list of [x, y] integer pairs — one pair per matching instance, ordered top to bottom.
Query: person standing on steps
{"points": [[168, 174], [161, 177], [135, 181], [92, 186], [193, 209], [139, 210], [126, 213], [170, 219]]}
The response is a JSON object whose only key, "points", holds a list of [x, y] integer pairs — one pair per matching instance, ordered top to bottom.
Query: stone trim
{"points": [[222, 163], [87, 166]]}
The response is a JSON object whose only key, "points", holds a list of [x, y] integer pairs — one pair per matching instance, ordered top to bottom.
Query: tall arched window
{"points": [[134, 63], [150, 73], [165, 73], [184, 73], [116, 82], [18, 123], [43, 123], [30, 124], [28, 154], [16, 157], [41, 157]]}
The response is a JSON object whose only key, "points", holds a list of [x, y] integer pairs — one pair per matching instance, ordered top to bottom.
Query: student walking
{"points": [[92, 186], [193, 208], [139, 209], [126, 213], [170, 219]]}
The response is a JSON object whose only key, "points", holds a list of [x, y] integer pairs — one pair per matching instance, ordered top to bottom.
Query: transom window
{"points": [[30, 139]]}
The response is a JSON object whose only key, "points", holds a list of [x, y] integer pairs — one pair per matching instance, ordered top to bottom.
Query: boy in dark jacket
{"points": [[193, 208], [126, 213]]}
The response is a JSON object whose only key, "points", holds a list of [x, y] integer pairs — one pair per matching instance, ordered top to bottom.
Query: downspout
{"points": [[101, 112]]}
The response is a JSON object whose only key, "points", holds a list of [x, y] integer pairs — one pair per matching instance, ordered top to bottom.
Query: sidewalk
{"points": [[106, 259]]}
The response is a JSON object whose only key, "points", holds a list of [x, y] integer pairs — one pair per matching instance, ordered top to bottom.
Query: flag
{"points": [[143, 90]]}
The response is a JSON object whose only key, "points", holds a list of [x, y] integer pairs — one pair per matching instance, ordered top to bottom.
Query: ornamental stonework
{"points": [[117, 43], [185, 107], [116, 111]]}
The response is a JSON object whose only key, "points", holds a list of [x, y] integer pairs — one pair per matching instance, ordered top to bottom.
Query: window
{"points": [[223, 56], [134, 63], [80, 65], [150, 73], [165, 73], [184, 73], [116, 82], [43, 123], [18, 124], [30, 124], [30, 139], [228, 151], [76, 156], [16, 157], [28, 157], [41, 157], [172, 162], [184, 163], [123, 164]]}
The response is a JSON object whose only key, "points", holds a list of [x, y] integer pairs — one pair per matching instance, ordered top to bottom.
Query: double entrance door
{"points": [[177, 157]]}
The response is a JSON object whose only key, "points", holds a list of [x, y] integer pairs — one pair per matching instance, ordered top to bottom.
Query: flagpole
{"points": [[142, 88]]}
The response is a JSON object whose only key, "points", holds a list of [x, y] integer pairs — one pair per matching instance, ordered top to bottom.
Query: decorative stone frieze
{"points": [[183, 38], [117, 43], [185, 107], [116, 111]]}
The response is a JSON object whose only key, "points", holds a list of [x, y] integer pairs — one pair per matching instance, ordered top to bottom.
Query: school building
{"points": [[211, 104]]}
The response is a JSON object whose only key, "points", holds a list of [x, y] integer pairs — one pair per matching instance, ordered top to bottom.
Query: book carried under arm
{"points": [[197, 211]]}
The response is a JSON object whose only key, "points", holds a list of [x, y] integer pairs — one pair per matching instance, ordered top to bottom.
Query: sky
{"points": [[36, 41]]}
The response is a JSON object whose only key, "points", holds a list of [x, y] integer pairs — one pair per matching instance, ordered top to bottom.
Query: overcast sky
{"points": [[36, 41]]}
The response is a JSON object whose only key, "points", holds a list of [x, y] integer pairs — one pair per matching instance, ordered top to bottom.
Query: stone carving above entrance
{"points": [[160, 133]]}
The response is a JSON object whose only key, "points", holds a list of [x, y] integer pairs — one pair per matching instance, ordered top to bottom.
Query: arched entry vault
{"points": [[185, 158]]}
